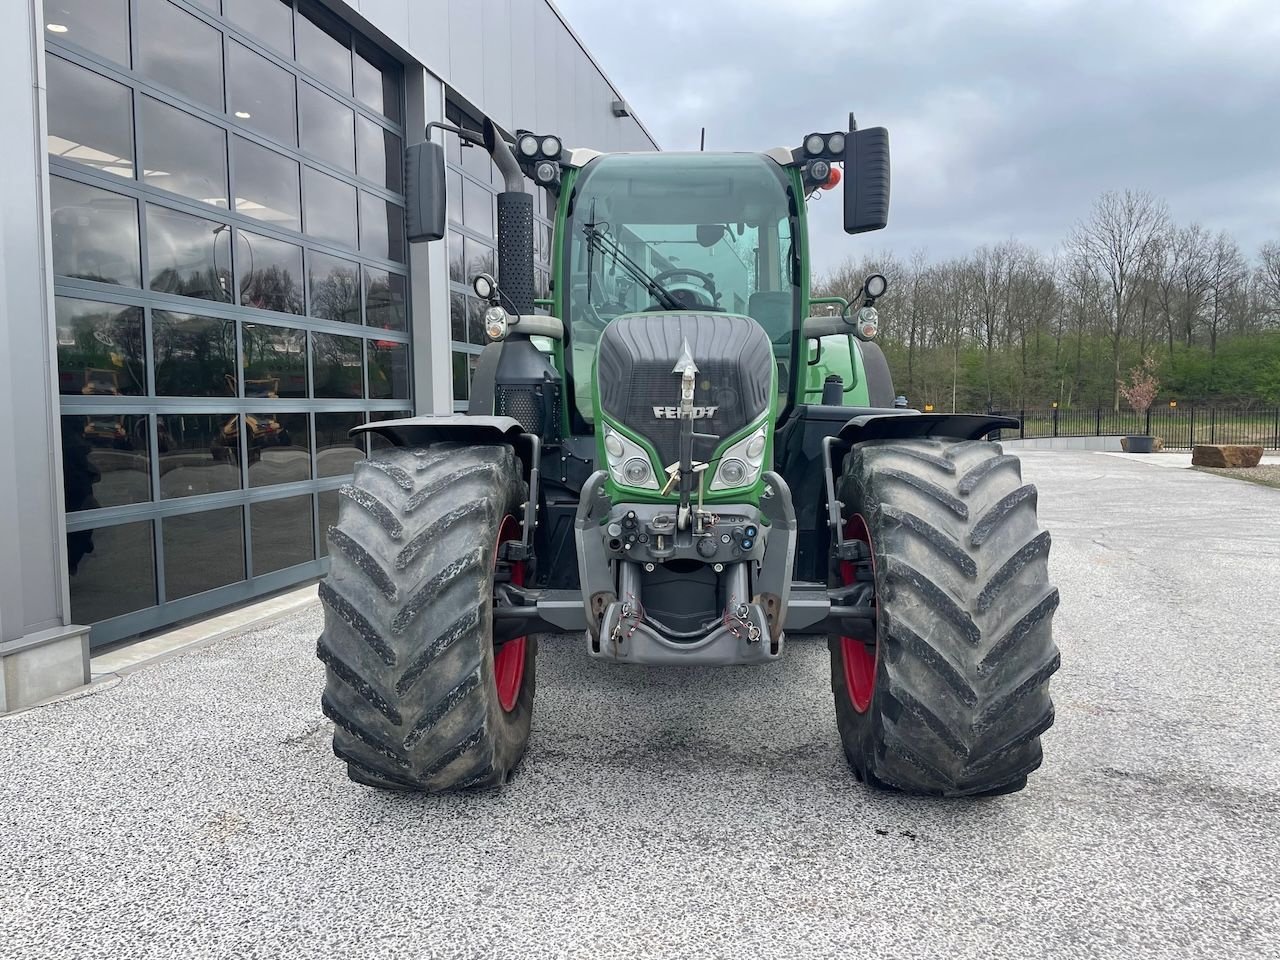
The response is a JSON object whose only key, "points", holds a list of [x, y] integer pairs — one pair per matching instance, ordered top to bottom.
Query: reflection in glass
{"points": [[267, 21], [100, 26], [324, 47], [180, 51], [376, 87], [260, 94], [90, 118], [326, 127], [183, 154], [380, 155], [266, 184], [453, 191], [331, 208], [477, 208], [381, 227], [95, 234], [457, 252], [188, 255], [480, 259], [270, 273], [335, 288], [385, 299], [458, 317], [475, 321], [100, 351], [194, 356], [275, 361], [337, 361], [388, 370], [461, 376], [377, 442], [279, 449], [337, 453], [203, 454], [105, 462], [328, 505], [281, 533], [202, 551], [113, 571]]}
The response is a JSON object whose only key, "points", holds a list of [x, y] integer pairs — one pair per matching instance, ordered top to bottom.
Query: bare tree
{"points": [[1116, 244]]}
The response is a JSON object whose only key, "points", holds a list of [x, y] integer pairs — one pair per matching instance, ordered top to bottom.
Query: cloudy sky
{"points": [[1005, 118]]}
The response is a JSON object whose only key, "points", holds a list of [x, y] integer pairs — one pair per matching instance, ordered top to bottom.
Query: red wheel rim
{"points": [[508, 659], [859, 662]]}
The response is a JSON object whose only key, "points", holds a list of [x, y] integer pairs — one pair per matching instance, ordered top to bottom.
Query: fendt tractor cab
{"points": [[686, 459]]}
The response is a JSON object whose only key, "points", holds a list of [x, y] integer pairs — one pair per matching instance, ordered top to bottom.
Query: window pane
{"points": [[268, 21], [100, 26], [324, 47], [180, 51], [377, 88], [260, 94], [90, 118], [326, 127], [182, 153], [381, 155], [474, 158], [266, 184], [453, 190], [331, 208], [477, 208], [381, 227], [95, 234], [456, 254], [188, 255], [479, 259], [270, 273], [335, 288], [385, 299], [458, 317], [475, 321], [100, 350], [194, 356], [275, 361], [337, 363], [388, 370], [461, 377], [336, 453], [283, 454], [202, 455], [105, 461], [328, 504], [282, 534], [203, 551], [113, 571]]}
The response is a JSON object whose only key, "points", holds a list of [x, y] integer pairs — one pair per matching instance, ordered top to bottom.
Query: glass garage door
{"points": [[231, 298]]}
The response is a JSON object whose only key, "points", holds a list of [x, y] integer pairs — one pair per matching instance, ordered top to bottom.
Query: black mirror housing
{"points": [[866, 180], [424, 188]]}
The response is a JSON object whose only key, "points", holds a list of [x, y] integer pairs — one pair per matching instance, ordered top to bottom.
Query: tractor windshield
{"points": [[659, 232]]}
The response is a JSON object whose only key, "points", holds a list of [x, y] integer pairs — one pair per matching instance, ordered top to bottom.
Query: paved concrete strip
{"points": [[1171, 458], [131, 656], [193, 809]]}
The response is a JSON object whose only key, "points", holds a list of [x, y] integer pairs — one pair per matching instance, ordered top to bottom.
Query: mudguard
{"points": [[948, 426], [417, 431]]}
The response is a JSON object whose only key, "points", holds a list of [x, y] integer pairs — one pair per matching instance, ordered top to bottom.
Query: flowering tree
{"points": [[1140, 392]]}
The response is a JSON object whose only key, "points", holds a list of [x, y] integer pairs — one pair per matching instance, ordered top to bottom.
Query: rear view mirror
{"points": [[866, 180], [424, 191]]}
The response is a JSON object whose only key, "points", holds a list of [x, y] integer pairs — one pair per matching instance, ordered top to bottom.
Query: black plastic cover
{"points": [[866, 180], [424, 191]]}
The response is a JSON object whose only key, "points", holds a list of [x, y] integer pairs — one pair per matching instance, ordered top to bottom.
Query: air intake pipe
{"points": [[515, 225]]}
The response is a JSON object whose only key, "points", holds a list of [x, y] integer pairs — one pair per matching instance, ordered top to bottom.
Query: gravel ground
{"points": [[1267, 474], [193, 808]]}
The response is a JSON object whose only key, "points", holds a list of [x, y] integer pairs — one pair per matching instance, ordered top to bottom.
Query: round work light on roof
{"points": [[835, 143], [813, 144], [529, 145], [551, 146], [545, 171], [819, 171], [876, 285]]}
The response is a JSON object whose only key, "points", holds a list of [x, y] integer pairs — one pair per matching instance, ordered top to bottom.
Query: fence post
{"points": [[1055, 421], [1097, 422], [1022, 424], [1213, 424], [1148, 430], [1276, 438], [1191, 440]]}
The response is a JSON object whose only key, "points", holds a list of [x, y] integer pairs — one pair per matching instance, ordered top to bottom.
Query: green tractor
{"points": [[673, 459]]}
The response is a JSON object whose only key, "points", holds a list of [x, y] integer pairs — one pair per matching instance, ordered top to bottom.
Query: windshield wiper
{"points": [[597, 239]]}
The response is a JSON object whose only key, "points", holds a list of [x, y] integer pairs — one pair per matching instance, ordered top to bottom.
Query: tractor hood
{"points": [[639, 383]]}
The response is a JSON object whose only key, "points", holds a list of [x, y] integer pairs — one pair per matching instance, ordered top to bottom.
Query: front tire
{"points": [[951, 695], [419, 696]]}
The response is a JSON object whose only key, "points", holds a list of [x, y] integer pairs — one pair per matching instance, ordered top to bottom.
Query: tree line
{"points": [[1009, 326]]}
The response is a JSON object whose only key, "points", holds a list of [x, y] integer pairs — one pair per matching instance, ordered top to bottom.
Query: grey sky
{"points": [[1006, 119]]}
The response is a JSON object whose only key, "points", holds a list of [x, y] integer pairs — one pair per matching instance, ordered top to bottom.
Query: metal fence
{"points": [[1180, 427]]}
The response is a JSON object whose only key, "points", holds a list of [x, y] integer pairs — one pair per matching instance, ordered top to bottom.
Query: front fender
{"points": [[940, 426], [417, 431]]}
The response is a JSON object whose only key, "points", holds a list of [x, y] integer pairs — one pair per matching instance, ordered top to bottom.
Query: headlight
{"points": [[835, 143], [813, 144], [529, 145], [551, 147], [495, 323], [868, 323], [628, 462], [740, 465]]}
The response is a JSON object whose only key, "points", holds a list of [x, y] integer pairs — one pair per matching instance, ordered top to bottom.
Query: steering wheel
{"points": [[705, 279]]}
